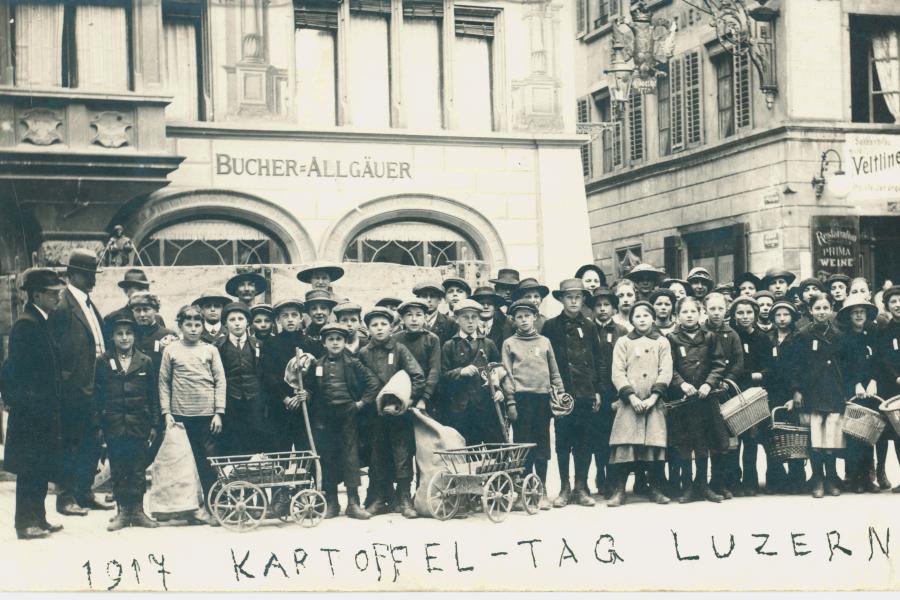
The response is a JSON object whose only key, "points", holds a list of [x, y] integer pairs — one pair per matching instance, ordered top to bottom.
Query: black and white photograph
{"points": [[449, 295]]}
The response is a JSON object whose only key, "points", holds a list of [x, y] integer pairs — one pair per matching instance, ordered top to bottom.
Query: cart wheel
{"points": [[531, 492], [499, 494], [211, 495], [443, 496], [281, 497], [240, 506], [308, 507]]}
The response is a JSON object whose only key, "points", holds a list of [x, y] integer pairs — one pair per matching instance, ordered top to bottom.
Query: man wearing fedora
{"points": [[134, 281], [506, 282], [246, 286], [493, 323], [76, 325], [33, 393]]}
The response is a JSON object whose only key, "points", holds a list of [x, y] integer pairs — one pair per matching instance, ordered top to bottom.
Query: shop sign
{"points": [[872, 162], [313, 166], [835, 244]]}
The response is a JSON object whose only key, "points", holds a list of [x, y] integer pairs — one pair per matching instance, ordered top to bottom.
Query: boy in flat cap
{"points": [[134, 281], [246, 286], [456, 290], [211, 304], [319, 304], [349, 314], [262, 321], [435, 321], [576, 346], [425, 347], [340, 386], [127, 405], [468, 405], [243, 427], [393, 445]]}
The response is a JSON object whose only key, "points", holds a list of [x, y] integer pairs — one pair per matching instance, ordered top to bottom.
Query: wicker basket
{"points": [[745, 409], [890, 409], [861, 423], [785, 441]]}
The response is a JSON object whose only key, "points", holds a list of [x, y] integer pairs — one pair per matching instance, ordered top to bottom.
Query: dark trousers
{"points": [[478, 423], [533, 425], [601, 428], [573, 439], [203, 445], [340, 447], [393, 448], [81, 453], [127, 463], [31, 492]]}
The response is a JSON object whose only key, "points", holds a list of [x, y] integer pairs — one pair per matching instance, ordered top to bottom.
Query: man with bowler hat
{"points": [[507, 280], [76, 327], [33, 395]]}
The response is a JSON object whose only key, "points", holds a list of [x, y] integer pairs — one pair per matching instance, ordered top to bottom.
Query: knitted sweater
{"points": [[530, 366], [191, 380]]}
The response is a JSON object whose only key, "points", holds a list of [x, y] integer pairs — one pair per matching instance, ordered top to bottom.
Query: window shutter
{"points": [[378, 7], [423, 8], [602, 13], [580, 16], [311, 18], [741, 69], [725, 81], [692, 98], [676, 102], [583, 115], [664, 116], [636, 127], [618, 148], [739, 231], [672, 256]]}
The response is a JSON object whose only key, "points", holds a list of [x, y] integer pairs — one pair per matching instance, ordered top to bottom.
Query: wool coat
{"points": [[444, 327], [76, 345], [576, 346], [426, 348], [756, 351], [732, 352], [857, 356], [887, 357], [385, 359], [642, 365], [818, 370], [783, 378], [362, 384], [459, 392], [33, 394], [126, 400]]}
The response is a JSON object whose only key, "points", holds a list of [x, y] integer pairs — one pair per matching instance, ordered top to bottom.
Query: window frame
{"points": [[195, 12], [686, 102], [583, 115], [623, 252]]}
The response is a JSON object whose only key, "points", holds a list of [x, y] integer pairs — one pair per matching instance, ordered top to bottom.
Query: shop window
{"points": [[183, 43], [83, 45], [315, 53], [875, 69], [472, 72], [733, 92], [685, 101], [583, 115], [209, 242], [411, 243], [720, 251], [627, 258]]}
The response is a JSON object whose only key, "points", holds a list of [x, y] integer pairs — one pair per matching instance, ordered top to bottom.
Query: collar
{"points": [[80, 296], [40, 311], [431, 319], [576, 319], [213, 329], [653, 334], [466, 336], [237, 341], [388, 344]]}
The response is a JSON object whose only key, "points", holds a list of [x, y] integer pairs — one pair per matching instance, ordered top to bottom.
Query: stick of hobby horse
{"points": [[504, 423], [312, 443]]}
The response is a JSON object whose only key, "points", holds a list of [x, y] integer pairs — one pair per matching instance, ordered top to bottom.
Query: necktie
{"points": [[99, 346]]}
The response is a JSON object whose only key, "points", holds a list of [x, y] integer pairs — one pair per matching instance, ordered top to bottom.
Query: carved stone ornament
{"points": [[648, 43], [42, 125], [112, 129]]}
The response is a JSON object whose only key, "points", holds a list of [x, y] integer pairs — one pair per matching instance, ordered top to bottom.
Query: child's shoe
{"points": [[883, 482], [565, 496], [581, 497], [544, 504], [332, 505], [405, 505], [378, 506], [355, 511], [138, 518], [120, 521]]}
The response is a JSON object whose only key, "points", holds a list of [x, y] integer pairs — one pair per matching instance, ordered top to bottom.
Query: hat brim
{"points": [[585, 268], [95, 270], [334, 273], [660, 275], [744, 277], [788, 277], [260, 282], [505, 282], [124, 284], [430, 288], [543, 290], [558, 294], [887, 295], [495, 298], [222, 299], [613, 299], [330, 303], [287, 304], [530, 308], [241, 309], [871, 311]]}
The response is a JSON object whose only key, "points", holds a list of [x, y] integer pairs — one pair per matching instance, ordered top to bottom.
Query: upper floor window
{"points": [[607, 11], [72, 44], [183, 51], [875, 69], [733, 92], [684, 96], [583, 115], [613, 147]]}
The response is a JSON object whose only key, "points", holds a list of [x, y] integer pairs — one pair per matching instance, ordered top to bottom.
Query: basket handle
{"points": [[737, 390], [852, 400], [776, 409]]}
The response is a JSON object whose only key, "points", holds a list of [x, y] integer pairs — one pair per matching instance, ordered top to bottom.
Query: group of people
{"points": [[630, 376]]}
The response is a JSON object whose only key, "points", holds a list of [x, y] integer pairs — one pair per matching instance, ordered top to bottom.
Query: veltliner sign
{"points": [[872, 162]]}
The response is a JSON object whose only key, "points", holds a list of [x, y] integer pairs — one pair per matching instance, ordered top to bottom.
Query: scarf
{"points": [[527, 336]]}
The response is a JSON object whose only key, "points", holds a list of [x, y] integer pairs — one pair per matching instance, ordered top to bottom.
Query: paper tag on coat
{"points": [[580, 333], [609, 340], [815, 345], [156, 346], [896, 347], [746, 348], [869, 350], [256, 351], [537, 351], [683, 351], [774, 352], [390, 358], [112, 364], [319, 371]]}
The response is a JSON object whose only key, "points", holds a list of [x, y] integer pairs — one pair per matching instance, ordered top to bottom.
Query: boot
{"points": [[881, 477], [657, 480], [617, 481], [832, 481], [674, 482], [870, 482], [640, 483], [817, 483], [688, 490], [707, 494], [565, 496], [581, 497], [404, 503], [545, 503], [332, 505], [378, 506], [354, 510], [138, 518], [121, 520]]}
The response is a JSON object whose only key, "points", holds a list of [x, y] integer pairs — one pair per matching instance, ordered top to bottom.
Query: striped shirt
{"points": [[191, 380]]}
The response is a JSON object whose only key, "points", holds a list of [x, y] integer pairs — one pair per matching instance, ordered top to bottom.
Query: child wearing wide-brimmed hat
{"points": [[646, 279], [701, 282], [887, 355]]}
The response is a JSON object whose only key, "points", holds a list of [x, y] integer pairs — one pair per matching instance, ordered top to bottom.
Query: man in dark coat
{"points": [[134, 281], [76, 327], [33, 394]]}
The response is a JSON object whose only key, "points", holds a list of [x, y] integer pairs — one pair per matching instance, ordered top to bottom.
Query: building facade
{"points": [[425, 133], [710, 171]]}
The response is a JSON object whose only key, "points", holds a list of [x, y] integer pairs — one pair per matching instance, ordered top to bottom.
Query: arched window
{"points": [[209, 242], [413, 243]]}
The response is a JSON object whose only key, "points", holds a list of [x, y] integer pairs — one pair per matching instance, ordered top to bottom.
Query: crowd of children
{"points": [[648, 361]]}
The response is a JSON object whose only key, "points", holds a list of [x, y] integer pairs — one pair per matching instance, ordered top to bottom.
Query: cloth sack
{"points": [[395, 397], [431, 436], [175, 484]]}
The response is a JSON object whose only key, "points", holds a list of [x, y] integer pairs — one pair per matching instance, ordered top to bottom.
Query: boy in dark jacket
{"points": [[436, 322], [493, 324], [576, 345], [425, 347], [340, 386], [127, 405], [468, 405], [243, 430], [393, 445]]}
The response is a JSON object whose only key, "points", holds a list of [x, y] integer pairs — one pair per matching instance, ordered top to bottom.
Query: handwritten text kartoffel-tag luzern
{"points": [[315, 167]]}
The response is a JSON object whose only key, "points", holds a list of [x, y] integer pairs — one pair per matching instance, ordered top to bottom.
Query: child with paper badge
{"points": [[456, 290], [530, 290], [432, 294], [627, 295], [764, 300], [663, 301], [604, 303], [211, 304], [318, 305], [349, 314], [262, 321], [856, 321], [493, 324], [576, 345], [425, 347], [887, 357], [758, 367], [531, 369], [641, 372], [340, 386], [192, 392], [820, 395], [127, 405], [468, 406], [243, 428], [696, 428], [393, 445], [726, 466]]}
